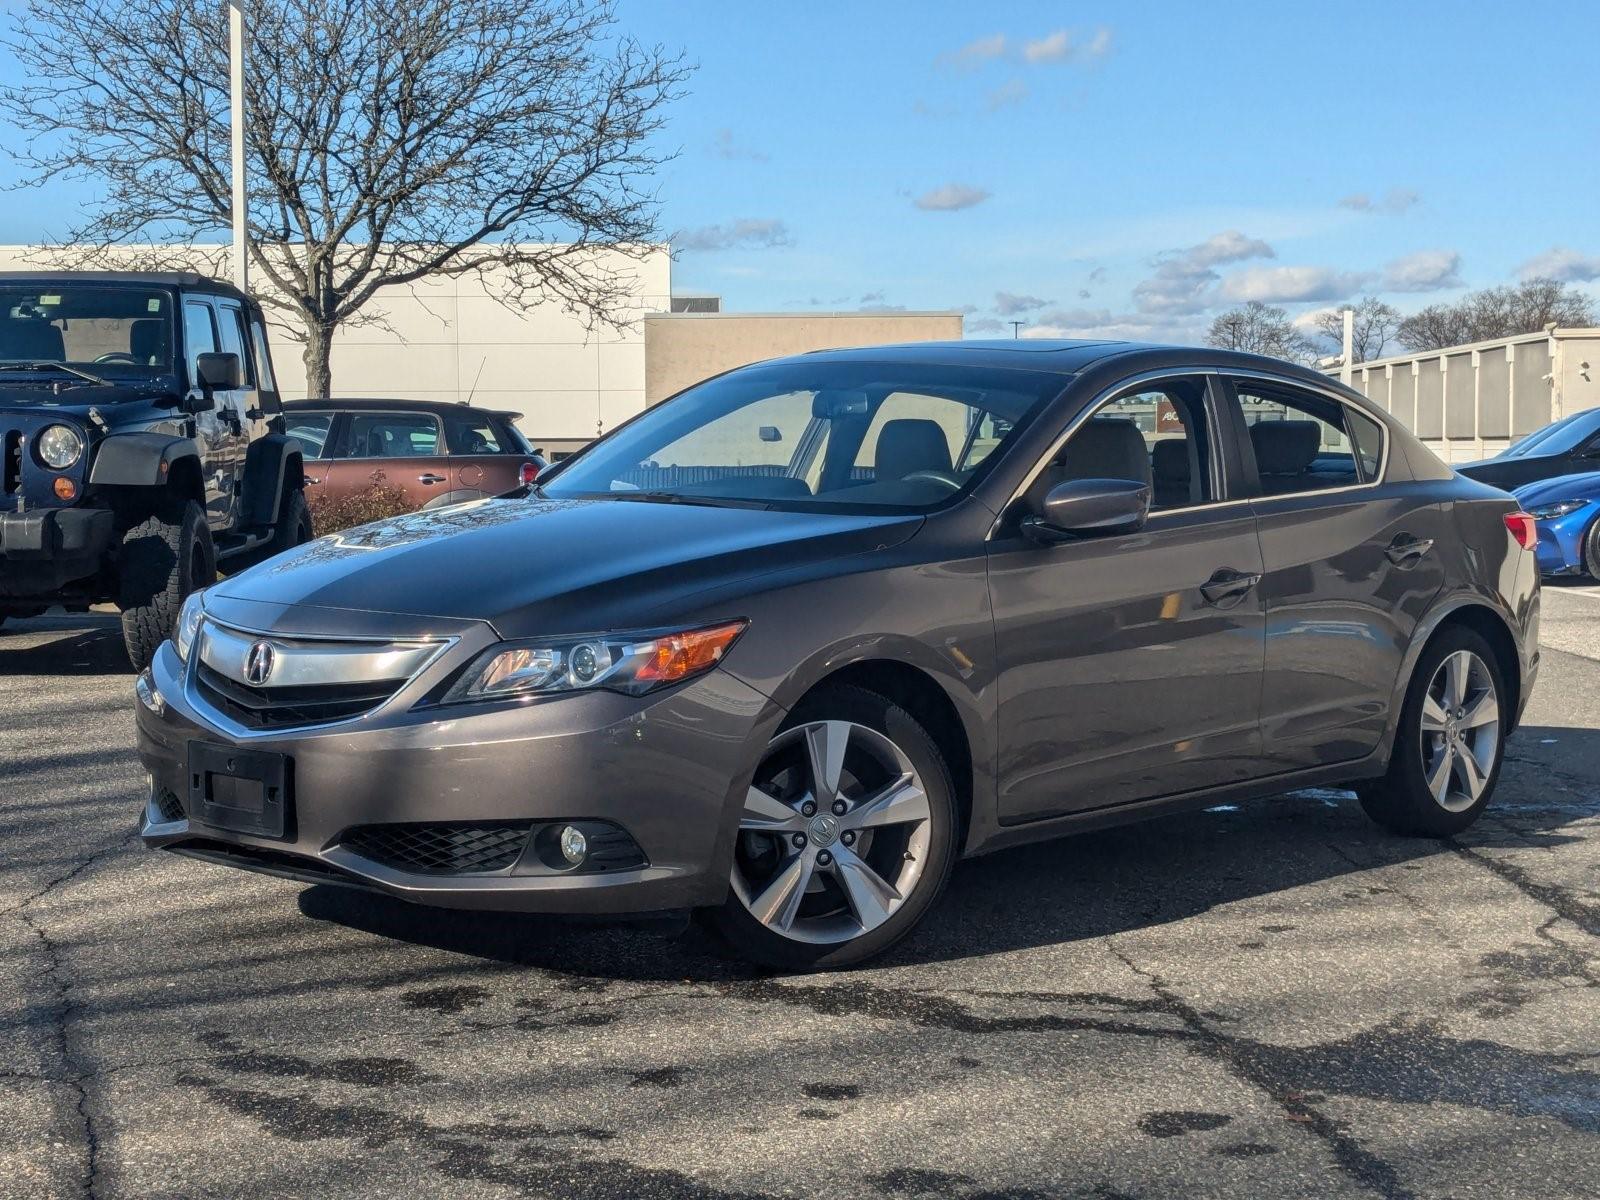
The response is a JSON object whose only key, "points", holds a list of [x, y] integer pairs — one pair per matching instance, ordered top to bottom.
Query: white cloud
{"points": [[1062, 46], [978, 51], [951, 198], [1392, 203], [747, 233], [1561, 263], [1424, 271], [1183, 279], [1274, 284], [1009, 304], [984, 325]]}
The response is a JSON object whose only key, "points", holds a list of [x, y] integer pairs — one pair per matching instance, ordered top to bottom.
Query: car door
{"points": [[314, 431], [215, 435], [398, 450], [484, 461], [1350, 566], [1130, 665]]}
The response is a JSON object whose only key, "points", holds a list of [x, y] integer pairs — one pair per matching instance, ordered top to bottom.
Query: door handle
{"points": [[313, 478], [430, 478], [1406, 551], [1227, 587]]}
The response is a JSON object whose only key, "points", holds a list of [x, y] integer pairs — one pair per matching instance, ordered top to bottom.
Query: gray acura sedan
{"points": [[786, 646]]}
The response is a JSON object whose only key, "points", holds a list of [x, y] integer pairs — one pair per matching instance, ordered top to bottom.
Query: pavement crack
{"points": [[1552, 896], [1242, 1059]]}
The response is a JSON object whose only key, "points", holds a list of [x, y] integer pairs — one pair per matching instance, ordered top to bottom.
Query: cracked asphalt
{"points": [[1271, 1000]]}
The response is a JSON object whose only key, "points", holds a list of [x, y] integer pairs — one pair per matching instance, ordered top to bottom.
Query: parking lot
{"points": [[1276, 999]]}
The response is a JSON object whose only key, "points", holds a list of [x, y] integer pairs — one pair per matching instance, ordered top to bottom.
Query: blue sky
{"points": [[1129, 167], [1120, 168]]}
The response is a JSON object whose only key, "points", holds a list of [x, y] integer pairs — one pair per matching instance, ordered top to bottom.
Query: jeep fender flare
{"points": [[147, 460], [273, 466]]}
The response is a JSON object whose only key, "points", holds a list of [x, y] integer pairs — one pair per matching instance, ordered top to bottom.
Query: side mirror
{"points": [[218, 372], [1090, 508]]}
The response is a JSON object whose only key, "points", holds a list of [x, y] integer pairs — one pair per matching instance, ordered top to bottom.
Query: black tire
{"points": [[293, 528], [1591, 551], [163, 559], [1401, 801], [752, 940]]}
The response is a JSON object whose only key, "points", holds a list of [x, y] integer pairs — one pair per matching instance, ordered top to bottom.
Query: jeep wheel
{"points": [[293, 529], [163, 559]]}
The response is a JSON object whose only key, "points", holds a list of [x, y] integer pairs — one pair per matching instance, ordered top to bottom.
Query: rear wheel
{"points": [[293, 528], [1591, 551], [163, 559], [1448, 748], [846, 839]]}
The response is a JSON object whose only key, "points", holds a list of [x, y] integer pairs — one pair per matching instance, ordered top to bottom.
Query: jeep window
{"points": [[230, 322], [110, 333], [199, 335], [258, 339]]}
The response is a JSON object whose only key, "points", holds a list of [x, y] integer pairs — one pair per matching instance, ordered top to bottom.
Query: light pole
{"points": [[237, 40]]}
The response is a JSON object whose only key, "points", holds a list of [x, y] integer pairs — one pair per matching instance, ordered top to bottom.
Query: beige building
{"points": [[685, 347], [1469, 402]]}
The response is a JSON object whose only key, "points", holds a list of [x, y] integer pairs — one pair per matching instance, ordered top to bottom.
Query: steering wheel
{"points": [[119, 356], [948, 478]]}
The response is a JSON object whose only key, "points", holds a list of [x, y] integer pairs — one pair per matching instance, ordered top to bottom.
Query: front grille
{"points": [[11, 467], [277, 708], [167, 803], [455, 848]]}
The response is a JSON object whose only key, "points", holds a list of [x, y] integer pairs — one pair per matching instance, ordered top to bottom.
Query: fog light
{"points": [[574, 846]]}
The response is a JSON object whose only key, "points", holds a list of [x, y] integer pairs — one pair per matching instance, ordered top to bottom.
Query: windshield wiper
{"points": [[44, 364], [681, 498]]}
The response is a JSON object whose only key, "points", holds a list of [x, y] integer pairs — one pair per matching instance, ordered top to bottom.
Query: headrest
{"points": [[32, 339], [147, 341], [910, 445], [1285, 447], [1105, 448], [1169, 461]]}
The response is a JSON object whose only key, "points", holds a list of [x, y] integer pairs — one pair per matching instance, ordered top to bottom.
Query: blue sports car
{"points": [[1567, 510]]}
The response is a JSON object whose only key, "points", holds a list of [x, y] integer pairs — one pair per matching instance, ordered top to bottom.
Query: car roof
{"points": [[190, 280], [379, 404]]}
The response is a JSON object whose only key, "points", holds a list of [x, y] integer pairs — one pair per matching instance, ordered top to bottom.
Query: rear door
{"points": [[402, 450], [484, 458], [1350, 566]]}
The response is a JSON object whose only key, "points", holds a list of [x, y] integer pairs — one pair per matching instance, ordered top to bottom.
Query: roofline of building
{"points": [[802, 316], [1515, 339]]}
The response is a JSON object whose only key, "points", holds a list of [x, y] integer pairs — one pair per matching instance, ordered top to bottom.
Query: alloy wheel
{"points": [[1460, 731], [834, 834]]}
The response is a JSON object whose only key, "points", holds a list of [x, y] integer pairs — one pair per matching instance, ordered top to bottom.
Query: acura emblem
{"points": [[258, 663]]}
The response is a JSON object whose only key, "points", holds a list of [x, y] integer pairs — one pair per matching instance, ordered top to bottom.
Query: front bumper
{"points": [[43, 549], [670, 769]]}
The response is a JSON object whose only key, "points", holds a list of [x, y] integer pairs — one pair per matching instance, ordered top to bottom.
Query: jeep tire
{"points": [[163, 559]]}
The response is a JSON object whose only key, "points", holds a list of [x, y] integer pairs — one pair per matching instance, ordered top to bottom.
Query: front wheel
{"points": [[1591, 551], [163, 559], [1448, 747], [846, 839]]}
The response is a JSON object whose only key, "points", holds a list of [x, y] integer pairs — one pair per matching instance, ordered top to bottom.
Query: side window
{"points": [[230, 323], [199, 335], [258, 339], [1171, 421], [311, 431], [924, 433], [472, 434], [393, 435], [1368, 437], [1301, 441]]}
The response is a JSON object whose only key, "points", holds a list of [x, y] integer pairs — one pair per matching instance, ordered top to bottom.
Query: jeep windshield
{"points": [[84, 336], [851, 436]]}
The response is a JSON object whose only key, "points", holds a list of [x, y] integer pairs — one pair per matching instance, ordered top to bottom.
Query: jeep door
{"points": [[219, 430]]}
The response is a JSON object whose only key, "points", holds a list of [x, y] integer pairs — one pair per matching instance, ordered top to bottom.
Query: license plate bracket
{"points": [[246, 791]]}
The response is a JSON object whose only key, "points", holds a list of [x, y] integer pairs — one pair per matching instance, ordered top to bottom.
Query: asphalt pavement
{"points": [[1274, 999]]}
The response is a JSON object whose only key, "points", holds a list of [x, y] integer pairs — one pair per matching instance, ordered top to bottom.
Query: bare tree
{"points": [[388, 140], [1497, 312], [1374, 326], [1259, 328]]}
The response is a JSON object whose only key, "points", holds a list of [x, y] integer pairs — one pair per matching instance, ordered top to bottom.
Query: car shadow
{"points": [[61, 644], [1094, 885]]}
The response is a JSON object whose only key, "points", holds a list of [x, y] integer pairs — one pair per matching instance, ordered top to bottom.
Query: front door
{"points": [[217, 430], [1130, 665]]}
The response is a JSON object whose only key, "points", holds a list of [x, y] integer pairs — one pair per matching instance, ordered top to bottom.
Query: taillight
{"points": [[528, 474], [1523, 528]]}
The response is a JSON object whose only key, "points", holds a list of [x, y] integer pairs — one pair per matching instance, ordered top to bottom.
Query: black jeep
{"points": [[141, 441]]}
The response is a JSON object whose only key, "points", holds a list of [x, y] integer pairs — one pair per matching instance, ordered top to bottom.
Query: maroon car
{"points": [[436, 453]]}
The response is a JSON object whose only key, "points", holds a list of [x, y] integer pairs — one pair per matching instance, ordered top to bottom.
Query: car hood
{"points": [[77, 398], [1585, 486], [551, 566]]}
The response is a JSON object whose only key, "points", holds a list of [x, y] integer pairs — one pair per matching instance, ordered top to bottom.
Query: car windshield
{"points": [[85, 334], [854, 435], [1557, 438]]}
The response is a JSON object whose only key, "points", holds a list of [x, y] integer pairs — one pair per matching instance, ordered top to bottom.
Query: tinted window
{"points": [[230, 323], [199, 334], [258, 338], [311, 431], [472, 433], [392, 435], [866, 435], [1368, 437], [1300, 441]]}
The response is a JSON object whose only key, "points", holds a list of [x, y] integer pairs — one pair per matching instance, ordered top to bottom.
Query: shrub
{"points": [[378, 500]]}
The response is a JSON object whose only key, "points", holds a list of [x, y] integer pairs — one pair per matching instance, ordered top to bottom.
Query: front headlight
{"points": [[60, 446], [1549, 512], [187, 626], [629, 663]]}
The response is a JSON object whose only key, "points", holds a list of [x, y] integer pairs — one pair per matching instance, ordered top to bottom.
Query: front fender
{"points": [[140, 459]]}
